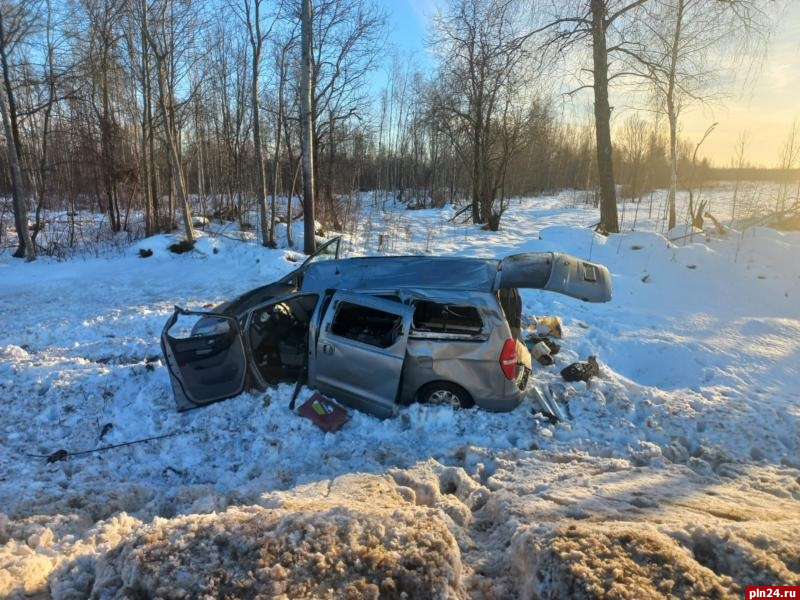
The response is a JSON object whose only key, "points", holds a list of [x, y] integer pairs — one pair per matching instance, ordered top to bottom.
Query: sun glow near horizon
{"points": [[761, 101]]}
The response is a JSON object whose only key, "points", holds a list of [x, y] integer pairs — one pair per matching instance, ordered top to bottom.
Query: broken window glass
{"points": [[446, 318], [366, 325]]}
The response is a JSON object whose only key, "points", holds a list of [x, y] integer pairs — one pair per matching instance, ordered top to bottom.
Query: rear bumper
{"points": [[513, 393]]}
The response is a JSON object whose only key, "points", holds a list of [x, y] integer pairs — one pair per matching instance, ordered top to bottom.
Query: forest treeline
{"points": [[146, 109]]}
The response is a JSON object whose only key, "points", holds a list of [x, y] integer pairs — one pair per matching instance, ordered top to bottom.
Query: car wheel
{"points": [[443, 393]]}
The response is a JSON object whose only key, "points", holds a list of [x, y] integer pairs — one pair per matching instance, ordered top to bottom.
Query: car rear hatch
{"points": [[555, 272]]}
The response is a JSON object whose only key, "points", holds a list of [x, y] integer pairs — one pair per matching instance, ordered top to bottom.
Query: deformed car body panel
{"points": [[389, 272], [556, 272], [469, 360], [353, 368]]}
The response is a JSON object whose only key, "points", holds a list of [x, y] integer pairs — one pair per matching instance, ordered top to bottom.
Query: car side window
{"points": [[446, 318], [366, 325]]}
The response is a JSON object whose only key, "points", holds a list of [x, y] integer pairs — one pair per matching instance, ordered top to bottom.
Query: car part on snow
{"points": [[545, 326], [534, 339], [541, 352], [582, 371], [300, 382], [552, 401], [324, 413]]}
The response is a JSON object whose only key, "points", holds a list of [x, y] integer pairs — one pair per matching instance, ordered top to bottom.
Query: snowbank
{"points": [[354, 537]]}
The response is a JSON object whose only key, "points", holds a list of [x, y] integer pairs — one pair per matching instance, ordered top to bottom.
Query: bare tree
{"points": [[252, 10], [606, 23], [12, 25], [348, 35], [162, 43], [282, 50], [674, 55], [483, 66], [307, 126], [697, 207]]}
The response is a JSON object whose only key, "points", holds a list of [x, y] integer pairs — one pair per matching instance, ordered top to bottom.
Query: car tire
{"points": [[444, 393]]}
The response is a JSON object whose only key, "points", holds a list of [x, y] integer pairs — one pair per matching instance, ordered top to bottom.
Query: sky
{"points": [[761, 104]]}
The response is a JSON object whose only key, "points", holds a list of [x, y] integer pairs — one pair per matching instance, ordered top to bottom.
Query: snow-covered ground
{"points": [[678, 474]]}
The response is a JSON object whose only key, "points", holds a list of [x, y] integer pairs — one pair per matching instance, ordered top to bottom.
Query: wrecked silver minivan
{"points": [[377, 333]]}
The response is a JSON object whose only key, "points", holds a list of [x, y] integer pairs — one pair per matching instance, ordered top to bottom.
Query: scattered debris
{"points": [[548, 326], [534, 339], [542, 348], [541, 352], [582, 371], [552, 400], [324, 413]]}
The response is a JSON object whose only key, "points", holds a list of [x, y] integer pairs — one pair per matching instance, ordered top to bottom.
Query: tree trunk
{"points": [[256, 45], [8, 107], [602, 115], [672, 115], [306, 122], [107, 150], [277, 158], [175, 160], [673, 166], [476, 169], [296, 171], [17, 185], [150, 218]]}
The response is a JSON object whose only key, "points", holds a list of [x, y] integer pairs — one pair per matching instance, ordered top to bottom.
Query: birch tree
{"points": [[678, 55]]}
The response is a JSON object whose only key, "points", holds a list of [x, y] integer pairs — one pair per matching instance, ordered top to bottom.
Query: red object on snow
{"points": [[324, 413]]}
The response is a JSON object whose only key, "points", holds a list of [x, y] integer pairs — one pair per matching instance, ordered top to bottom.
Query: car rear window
{"points": [[446, 318]]}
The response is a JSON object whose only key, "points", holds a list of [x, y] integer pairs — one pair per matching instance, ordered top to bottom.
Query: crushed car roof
{"points": [[382, 272]]}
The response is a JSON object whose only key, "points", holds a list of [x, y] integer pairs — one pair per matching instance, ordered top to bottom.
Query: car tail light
{"points": [[508, 359]]}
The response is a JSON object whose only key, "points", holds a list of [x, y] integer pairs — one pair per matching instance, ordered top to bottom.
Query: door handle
{"points": [[327, 348]]}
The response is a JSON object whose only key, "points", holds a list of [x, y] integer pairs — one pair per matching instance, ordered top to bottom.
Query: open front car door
{"points": [[555, 272], [360, 351], [205, 355]]}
